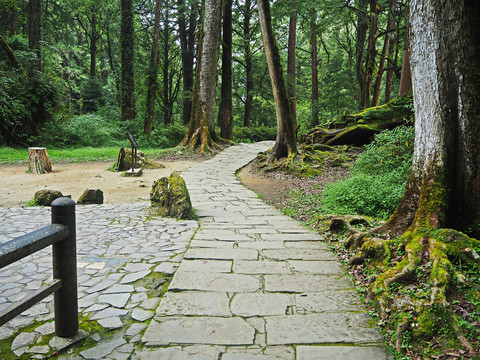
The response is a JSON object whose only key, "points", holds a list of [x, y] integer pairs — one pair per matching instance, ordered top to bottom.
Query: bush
{"points": [[254, 134], [378, 179]]}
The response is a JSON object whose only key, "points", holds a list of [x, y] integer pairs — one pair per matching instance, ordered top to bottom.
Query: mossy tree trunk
{"points": [[201, 129], [286, 143], [443, 189]]}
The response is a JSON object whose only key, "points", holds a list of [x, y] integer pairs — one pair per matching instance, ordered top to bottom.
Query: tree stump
{"points": [[38, 160]]}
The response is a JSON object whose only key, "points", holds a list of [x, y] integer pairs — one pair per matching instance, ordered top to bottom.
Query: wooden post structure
{"points": [[38, 160]]}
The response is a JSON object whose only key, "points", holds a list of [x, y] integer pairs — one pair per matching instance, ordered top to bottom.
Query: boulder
{"points": [[91, 196], [45, 197], [169, 197]]}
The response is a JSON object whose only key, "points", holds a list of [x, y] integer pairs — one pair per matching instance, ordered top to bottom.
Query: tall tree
{"points": [[362, 28], [34, 30], [187, 45], [292, 45], [371, 53], [383, 56], [248, 64], [314, 67], [127, 70], [152, 83], [225, 113], [201, 129], [286, 142], [443, 189]]}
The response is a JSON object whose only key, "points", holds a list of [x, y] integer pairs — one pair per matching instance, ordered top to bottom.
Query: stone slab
{"points": [[261, 245], [221, 254], [298, 254], [214, 266], [260, 267], [316, 267], [214, 282], [300, 283], [328, 301], [190, 303], [258, 304], [327, 328], [199, 330], [102, 350], [173, 353], [342, 353]]}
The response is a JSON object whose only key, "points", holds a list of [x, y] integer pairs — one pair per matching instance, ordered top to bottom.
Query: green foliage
{"points": [[92, 95], [254, 134], [378, 180]]}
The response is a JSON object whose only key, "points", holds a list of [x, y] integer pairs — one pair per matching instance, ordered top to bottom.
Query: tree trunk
{"points": [[13, 20], [362, 27], [34, 28], [292, 36], [386, 46], [187, 47], [371, 53], [314, 65], [127, 76], [406, 78], [152, 83], [226, 110], [167, 111], [247, 118], [201, 129], [286, 143], [38, 160], [444, 185]]}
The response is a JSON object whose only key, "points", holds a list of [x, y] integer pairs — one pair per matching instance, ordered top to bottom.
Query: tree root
{"points": [[401, 328]]}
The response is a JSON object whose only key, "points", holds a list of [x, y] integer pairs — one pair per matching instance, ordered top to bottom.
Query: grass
{"points": [[20, 156]]}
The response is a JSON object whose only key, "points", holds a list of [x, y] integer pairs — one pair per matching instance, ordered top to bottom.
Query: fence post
{"points": [[65, 269]]}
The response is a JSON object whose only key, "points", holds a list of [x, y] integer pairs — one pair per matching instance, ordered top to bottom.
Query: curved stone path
{"points": [[253, 284]]}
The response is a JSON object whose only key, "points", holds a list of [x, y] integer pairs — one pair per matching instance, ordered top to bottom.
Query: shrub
{"points": [[378, 179]]}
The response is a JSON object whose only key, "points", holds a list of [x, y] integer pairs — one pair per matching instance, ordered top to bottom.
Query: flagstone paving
{"points": [[249, 284]]}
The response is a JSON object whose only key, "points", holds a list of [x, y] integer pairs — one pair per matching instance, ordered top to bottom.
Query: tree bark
{"points": [[292, 39], [393, 40], [187, 47], [314, 65], [127, 73], [406, 78], [152, 83], [226, 110], [247, 118], [201, 129], [286, 143], [38, 160], [444, 185]]}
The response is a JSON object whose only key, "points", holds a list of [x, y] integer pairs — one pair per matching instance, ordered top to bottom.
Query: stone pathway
{"points": [[253, 284]]}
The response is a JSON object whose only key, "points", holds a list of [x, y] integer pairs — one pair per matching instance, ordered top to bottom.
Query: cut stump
{"points": [[38, 160]]}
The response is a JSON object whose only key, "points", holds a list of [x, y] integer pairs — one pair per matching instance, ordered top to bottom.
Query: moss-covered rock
{"points": [[91, 196], [45, 197], [169, 197]]}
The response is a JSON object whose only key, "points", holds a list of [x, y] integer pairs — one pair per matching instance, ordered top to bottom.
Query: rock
{"points": [[91, 196], [45, 197], [169, 197]]}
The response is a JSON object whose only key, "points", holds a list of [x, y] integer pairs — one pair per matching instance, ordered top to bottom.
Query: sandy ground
{"points": [[18, 187]]}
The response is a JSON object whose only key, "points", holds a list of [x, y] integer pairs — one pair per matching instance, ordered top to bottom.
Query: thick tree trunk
{"points": [[362, 27], [292, 40], [187, 47], [371, 53], [248, 65], [314, 65], [127, 76], [406, 78], [152, 83], [226, 110], [201, 129], [286, 143], [38, 160], [444, 185]]}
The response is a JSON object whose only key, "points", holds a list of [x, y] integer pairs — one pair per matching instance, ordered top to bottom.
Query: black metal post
{"points": [[65, 269]]}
